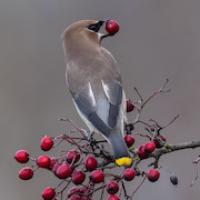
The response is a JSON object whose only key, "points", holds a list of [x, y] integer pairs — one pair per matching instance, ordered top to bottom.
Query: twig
{"points": [[161, 90], [196, 163], [138, 187], [124, 190]]}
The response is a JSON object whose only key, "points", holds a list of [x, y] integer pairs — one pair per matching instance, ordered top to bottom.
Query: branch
{"points": [[171, 148]]}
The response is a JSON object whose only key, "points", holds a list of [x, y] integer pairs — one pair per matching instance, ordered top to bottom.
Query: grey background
{"points": [[158, 39]]}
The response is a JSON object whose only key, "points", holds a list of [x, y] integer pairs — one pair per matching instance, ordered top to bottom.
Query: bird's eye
{"points": [[93, 27]]}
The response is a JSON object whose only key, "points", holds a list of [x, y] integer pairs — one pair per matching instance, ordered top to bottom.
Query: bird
{"points": [[94, 81]]}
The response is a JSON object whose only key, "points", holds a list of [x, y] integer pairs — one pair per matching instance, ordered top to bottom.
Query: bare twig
{"points": [[161, 90], [138, 187], [126, 196]]}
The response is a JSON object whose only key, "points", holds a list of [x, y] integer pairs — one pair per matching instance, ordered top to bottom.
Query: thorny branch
{"points": [[79, 140]]}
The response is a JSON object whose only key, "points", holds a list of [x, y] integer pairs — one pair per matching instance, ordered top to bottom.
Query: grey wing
{"points": [[114, 93], [102, 108]]}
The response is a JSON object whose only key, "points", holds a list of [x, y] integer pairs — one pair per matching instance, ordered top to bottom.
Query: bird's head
{"points": [[84, 33]]}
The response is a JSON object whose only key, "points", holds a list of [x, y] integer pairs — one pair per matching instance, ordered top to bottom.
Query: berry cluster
{"points": [[85, 168]]}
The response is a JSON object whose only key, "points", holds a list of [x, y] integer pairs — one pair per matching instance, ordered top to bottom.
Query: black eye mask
{"points": [[95, 27]]}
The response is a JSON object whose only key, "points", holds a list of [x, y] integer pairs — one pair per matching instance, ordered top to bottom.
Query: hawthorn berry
{"points": [[112, 27], [129, 105], [129, 139], [159, 141], [46, 143], [150, 147], [141, 152], [22, 156], [72, 156], [43, 161], [53, 162], [91, 163], [63, 171], [26, 173], [129, 174], [153, 175], [97, 176], [78, 177], [112, 187], [73, 190], [48, 193], [76, 193], [75, 197], [113, 197]]}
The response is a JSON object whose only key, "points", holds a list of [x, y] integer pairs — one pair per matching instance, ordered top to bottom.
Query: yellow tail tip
{"points": [[125, 161]]}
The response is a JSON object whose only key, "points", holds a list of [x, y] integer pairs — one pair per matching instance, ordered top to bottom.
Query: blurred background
{"points": [[158, 39]]}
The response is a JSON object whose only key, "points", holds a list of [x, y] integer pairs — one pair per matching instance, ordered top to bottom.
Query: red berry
{"points": [[112, 27], [129, 105], [129, 139], [159, 141], [46, 143], [150, 146], [142, 153], [22, 156], [72, 156], [43, 161], [53, 162], [91, 163], [55, 167], [63, 171], [26, 173], [129, 174], [153, 175], [97, 176], [78, 177], [112, 187], [73, 190], [48, 193], [78, 193], [75, 197], [113, 197]]}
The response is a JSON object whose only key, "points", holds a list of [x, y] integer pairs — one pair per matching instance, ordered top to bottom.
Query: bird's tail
{"points": [[120, 150]]}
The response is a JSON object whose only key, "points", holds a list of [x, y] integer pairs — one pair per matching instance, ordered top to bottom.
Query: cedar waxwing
{"points": [[94, 81]]}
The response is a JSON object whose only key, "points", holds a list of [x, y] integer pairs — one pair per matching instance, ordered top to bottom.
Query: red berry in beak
{"points": [[112, 27]]}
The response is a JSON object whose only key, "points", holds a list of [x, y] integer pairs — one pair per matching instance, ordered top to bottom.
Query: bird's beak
{"points": [[100, 23], [104, 35]]}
